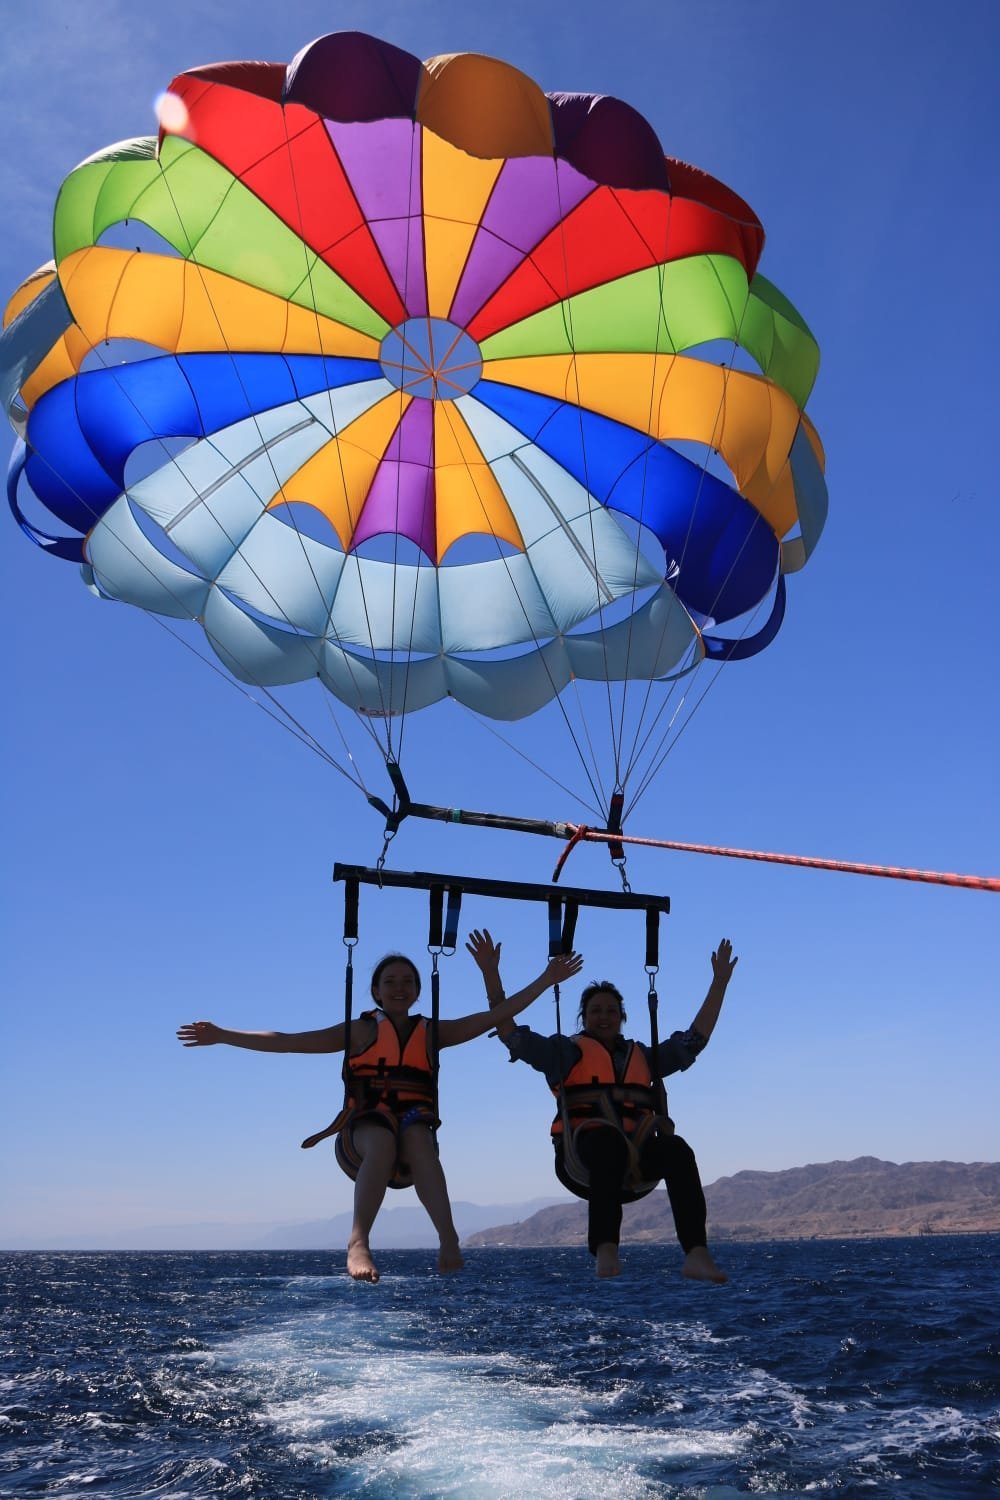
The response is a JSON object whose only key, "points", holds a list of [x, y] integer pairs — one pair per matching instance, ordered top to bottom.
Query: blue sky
{"points": [[169, 849]]}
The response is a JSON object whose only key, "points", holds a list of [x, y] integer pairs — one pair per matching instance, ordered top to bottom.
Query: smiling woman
{"points": [[387, 1130], [613, 1138]]}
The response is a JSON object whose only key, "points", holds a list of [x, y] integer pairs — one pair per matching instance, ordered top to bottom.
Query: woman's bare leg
{"points": [[376, 1147], [420, 1154]]}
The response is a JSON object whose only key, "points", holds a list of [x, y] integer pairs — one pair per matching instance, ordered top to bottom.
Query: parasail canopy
{"points": [[406, 376]]}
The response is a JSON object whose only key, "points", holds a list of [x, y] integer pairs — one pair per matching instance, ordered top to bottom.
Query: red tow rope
{"points": [[583, 834]]}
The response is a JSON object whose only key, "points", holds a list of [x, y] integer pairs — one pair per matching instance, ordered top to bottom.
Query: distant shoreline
{"points": [[862, 1199], [791, 1239]]}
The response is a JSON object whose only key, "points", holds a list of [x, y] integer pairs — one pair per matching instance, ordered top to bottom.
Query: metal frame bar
{"points": [[509, 890]]}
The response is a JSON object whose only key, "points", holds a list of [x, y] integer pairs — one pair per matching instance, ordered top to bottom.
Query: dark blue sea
{"points": [[844, 1369]]}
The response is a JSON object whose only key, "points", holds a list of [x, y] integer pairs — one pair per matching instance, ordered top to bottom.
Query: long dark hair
{"points": [[393, 958], [599, 987]]}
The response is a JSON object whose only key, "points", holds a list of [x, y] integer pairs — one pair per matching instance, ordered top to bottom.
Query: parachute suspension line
{"points": [[568, 307], [265, 447], [673, 604], [556, 697], [664, 705], [278, 712], [283, 717], [484, 723], [637, 748], [656, 759], [594, 761], [656, 765], [622, 777], [595, 778], [616, 808]]}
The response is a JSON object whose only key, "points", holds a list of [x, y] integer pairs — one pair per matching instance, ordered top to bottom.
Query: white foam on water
{"points": [[344, 1392], [906, 1430], [587, 1461]]}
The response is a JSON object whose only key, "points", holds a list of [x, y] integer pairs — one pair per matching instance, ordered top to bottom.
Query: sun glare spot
{"points": [[171, 111]]}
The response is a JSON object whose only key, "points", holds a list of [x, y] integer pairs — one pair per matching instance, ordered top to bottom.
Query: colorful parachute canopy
{"points": [[382, 307]]}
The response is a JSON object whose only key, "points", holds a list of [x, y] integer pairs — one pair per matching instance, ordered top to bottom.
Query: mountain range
{"points": [[864, 1198]]}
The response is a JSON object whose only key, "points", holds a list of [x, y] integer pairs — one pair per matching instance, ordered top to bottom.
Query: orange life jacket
{"points": [[391, 1072], [390, 1077], [598, 1093]]}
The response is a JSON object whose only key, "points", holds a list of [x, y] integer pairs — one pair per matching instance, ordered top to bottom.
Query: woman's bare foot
{"points": [[450, 1256], [359, 1262], [608, 1263], [699, 1266]]}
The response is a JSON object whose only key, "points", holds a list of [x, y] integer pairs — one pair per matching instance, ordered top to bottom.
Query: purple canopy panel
{"points": [[382, 162], [531, 195], [402, 496]]}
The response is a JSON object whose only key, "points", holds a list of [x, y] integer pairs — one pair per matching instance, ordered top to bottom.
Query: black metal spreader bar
{"points": [[509, 890]]}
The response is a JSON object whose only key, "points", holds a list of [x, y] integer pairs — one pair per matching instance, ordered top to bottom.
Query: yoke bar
{"points": [[510, 890]]}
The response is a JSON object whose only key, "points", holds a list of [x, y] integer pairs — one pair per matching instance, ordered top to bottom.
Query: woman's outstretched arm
{"points": [[207, 1034]]}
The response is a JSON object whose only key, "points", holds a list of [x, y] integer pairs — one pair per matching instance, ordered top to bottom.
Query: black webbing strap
{"points": [[614, 825], [351, 889], [452, 915], [555, 925], [569, 927], [435, 930], [558, 931], [442, 937], [652, 939], [652, 966], [435, 1019]]}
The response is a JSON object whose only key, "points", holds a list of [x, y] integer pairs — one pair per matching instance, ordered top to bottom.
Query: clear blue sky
{"points": [[168, 850]]}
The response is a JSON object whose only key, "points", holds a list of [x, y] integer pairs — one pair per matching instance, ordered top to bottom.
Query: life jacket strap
{"points": [[618, 1104], [334, 1128], [633, 1179]]}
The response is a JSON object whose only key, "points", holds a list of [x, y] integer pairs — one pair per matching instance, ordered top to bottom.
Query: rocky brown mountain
{"points": [[863, 1198]]}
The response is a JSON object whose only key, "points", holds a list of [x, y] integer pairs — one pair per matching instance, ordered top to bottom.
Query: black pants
{"points": [[605, 1155]]}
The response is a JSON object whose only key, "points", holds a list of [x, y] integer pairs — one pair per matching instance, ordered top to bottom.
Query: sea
{"points": [[853, 1368]]}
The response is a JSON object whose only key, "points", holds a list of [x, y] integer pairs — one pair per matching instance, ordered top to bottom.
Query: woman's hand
{"points": [[485, 952], [723, 962], [563, 967], [199, 1034]]}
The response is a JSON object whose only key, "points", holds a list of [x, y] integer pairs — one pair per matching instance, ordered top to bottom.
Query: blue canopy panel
{"points": [[82, 432], [68, 547], [726, 551], [721, 648]]}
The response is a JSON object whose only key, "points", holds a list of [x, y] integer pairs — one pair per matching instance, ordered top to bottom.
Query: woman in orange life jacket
{"points": [[389, 1134], [620, 1134]]}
